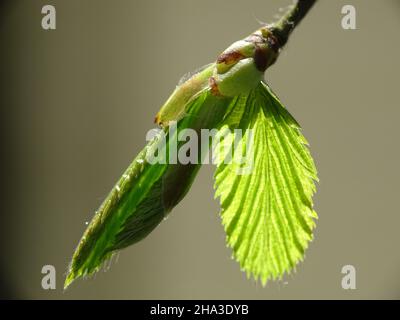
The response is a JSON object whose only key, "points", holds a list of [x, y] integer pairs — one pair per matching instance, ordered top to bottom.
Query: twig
{"points": [[282, 28]]}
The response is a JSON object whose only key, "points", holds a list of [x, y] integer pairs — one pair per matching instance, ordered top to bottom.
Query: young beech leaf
{"points": [[145, 193], [267, 214]]}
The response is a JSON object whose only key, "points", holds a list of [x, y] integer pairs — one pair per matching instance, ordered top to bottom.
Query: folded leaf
{"points": [[146, 192]]}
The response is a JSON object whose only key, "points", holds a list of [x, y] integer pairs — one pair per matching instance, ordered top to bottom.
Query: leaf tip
{"points": [[69, 279]]}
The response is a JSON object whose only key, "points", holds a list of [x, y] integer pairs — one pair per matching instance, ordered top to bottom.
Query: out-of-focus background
{"points": [[77, 102]]}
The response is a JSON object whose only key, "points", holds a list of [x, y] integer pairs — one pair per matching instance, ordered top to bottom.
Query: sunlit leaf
{"points": [[267, 213]]}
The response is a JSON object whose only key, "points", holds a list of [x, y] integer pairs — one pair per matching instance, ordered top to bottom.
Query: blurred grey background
{"points": [[77, 102]]}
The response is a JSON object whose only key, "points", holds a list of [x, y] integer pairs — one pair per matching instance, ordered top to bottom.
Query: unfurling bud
{"points": [[241, 66], [237, 70]]}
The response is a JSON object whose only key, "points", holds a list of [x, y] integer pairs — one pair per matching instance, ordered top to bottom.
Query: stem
{"points": [[283, 28]]}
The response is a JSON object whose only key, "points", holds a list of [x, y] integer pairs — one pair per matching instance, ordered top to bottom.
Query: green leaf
{"points": [[144, 194], [268, 213]]}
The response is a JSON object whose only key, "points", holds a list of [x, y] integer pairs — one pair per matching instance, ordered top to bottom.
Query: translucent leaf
{"points": [[267, 213]]}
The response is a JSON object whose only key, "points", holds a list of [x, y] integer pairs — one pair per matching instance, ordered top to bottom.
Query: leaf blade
{"points": [[144, 194], [268, 215]]}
